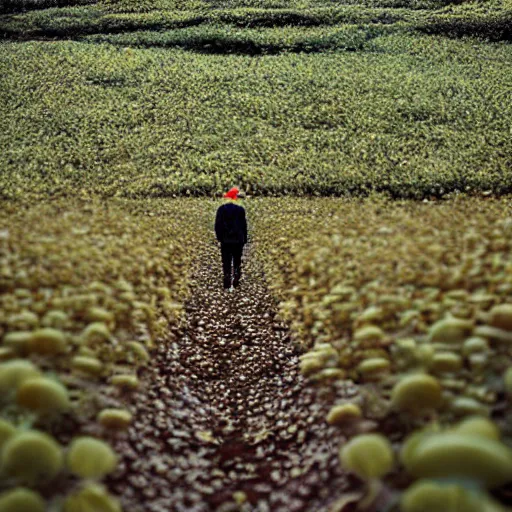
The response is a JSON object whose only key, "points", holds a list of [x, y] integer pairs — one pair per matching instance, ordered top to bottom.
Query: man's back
{"points": [[231, 224]]}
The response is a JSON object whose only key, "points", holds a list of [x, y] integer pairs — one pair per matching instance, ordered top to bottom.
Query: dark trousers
{"points": [[231, 253]]}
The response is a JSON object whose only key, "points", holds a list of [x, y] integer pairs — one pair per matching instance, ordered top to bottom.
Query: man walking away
{"points": [[231, 232]]}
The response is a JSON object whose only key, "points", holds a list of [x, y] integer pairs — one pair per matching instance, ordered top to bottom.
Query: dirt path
{"points": [[224, 415]]}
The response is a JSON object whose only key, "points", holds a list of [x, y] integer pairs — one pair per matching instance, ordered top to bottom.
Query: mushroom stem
{"points": [[374, 487]]}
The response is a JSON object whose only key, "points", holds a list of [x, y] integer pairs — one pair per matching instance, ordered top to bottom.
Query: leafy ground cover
{"points": [[177, 5], [165, 99], [408, 115]]}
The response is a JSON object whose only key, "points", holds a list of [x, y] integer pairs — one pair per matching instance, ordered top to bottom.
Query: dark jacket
{"points": [[231, 224]]}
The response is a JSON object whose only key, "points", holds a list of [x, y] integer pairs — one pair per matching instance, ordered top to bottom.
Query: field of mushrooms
{"points": [[87, 291], [410, 301], [364, 364], [130, 381]]}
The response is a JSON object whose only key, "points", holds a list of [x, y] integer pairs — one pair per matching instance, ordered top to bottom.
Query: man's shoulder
{"points": [[231, 206]]}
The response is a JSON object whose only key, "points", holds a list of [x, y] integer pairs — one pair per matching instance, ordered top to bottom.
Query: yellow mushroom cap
{"points": [[97, 314], [371, 314], [408, 316], [501, 316], [55, 318], [23, 320], [450, 330], [96, 332], [369, 333], [493, 333], [17, 340], [47, 341], [474, 345], [405, 346], [321, 347], [139, 350], [86, 351], [323, 351], [7, 353], [424, 353], [312, 354], [478, 361], [443, 362], [87, 364], [310, 365], [373, 365], [14, 372], [331, 374], [508, 380], [125, 381], [416, 392], [43, 395], [465, 405], [339, 414], [115, 418], [478, 426], [7, 430], [410, 445], [367, 455], [456, 455], [31, 456], [91, 458], [427, 496], [240, 497], [91, 498], [21, 500]]}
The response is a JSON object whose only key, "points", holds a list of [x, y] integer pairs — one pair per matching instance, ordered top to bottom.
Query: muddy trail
{"points": [[224, 421]]}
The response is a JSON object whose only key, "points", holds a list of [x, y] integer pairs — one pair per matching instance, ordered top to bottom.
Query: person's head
{"points": [[232, 194]]}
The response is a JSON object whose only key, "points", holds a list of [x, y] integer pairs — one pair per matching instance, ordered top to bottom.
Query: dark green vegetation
{"points": [[145, 99]]}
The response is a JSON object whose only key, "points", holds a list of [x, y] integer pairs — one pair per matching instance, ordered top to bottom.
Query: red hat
{"points": [[232, 194]]}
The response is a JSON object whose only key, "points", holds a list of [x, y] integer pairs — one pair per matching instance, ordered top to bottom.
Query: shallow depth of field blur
{"points": [[373, 139]]}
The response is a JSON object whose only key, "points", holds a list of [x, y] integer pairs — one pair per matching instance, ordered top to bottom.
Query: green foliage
{"points": [[154, 5], [13, 6], [77, 21], [497, 27], [225, 40], [185, 97], [411, 116]]}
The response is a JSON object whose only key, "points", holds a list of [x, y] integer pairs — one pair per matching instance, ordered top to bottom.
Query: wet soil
{"points": [[224, 421]]}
